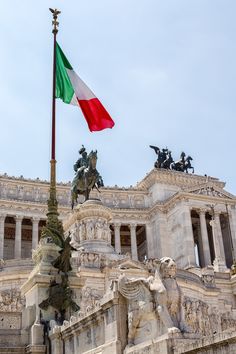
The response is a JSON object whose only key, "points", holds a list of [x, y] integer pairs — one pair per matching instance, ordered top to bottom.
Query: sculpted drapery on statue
{"points": [[165, 160], [86, 175], [153, 298]]}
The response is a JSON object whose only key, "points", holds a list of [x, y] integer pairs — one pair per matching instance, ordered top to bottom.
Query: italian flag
{"points": [[71, 89]]}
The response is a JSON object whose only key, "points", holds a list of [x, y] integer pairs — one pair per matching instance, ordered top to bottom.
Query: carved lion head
{"points": [[167, 267]]}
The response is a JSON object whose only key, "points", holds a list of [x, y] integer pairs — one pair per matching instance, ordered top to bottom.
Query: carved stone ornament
{"points": [[211, 192], [89, 230], [90, 260], [208, 277], [90, 299], [11, 301], [203, 319]]}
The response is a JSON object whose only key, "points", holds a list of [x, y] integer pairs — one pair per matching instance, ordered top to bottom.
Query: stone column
{"points": [[18, 219], [232, 222], [2, 223], [35, 232], [117, 237], [187, 238], [205, 240], [150, 241], [134, 250], [219, 262]]}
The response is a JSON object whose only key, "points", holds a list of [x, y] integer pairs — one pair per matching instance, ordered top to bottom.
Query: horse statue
{"points": [[187, 164], [179, 165], [182, 165], [86, 179]]}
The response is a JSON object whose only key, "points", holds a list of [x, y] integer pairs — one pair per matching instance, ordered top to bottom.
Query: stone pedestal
{"points": [[89, 227], [43, 256], [35, 289]]}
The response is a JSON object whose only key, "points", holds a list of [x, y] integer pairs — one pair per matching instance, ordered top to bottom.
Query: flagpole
{"points": [[54, 31], [52, 208], [53, 223]]}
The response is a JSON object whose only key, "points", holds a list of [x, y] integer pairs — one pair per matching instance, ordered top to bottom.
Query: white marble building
{"points": [[189, 218], [146, 219]]}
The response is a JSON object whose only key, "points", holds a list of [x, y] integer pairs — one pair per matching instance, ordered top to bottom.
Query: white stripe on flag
{"points": [[82, 91]]}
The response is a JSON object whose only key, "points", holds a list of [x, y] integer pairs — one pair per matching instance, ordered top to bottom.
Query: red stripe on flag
{"points": [[95, 114]]}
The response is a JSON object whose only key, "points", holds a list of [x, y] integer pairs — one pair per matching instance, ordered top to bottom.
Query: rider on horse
{"points": [[82, 162], [86, 175]]}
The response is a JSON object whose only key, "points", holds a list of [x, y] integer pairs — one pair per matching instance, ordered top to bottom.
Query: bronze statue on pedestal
{"points": [[86, 175]]}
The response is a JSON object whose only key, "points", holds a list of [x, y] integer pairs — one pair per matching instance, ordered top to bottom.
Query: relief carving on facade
{"points": [[210, 191], [90, 229], [90, 260], [90, 299], [11, 301], [196, 316], [203, 319], [227, 321]]}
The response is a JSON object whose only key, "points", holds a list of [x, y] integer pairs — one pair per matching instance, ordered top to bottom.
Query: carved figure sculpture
{"points": [[99, 229], [165, 290], [159, 291], [172, 299], [140, 304]]}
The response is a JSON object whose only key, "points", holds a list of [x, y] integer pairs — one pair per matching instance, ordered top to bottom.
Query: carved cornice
{"points": [[175, 178], [22, 180], [36, 191], [30, 209], [126, 215]]}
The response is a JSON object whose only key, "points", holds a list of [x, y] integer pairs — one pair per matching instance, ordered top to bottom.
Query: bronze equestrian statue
{"points": [[86, 176]]}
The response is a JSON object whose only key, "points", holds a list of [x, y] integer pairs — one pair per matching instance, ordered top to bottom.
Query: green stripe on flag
{"points": [[64, 89]]}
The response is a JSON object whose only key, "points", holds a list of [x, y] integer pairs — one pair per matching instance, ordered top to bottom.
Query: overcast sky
{"points": [[165, 70]]}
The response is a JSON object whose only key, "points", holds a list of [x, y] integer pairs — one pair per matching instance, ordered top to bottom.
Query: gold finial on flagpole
{"points": [[55, 23]]}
